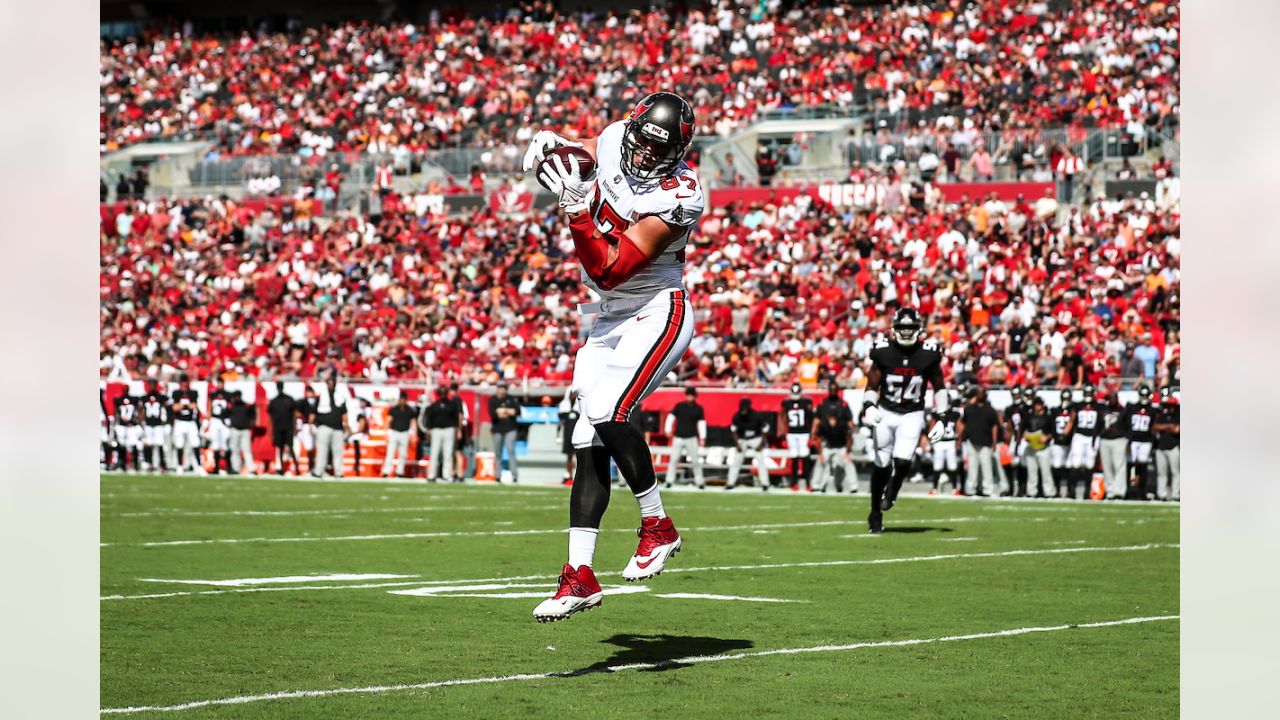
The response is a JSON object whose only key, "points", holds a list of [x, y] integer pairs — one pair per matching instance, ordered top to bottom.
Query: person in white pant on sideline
{"points": [[185, 405], [240, 417], [443, 418], [402, 423], [331, 427], [1038, 427], [687, 428], [979, 430], [1113, 446], [835, 464]]}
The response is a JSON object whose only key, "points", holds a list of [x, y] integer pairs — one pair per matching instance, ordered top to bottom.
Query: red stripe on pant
{"points": [[650, 368]]}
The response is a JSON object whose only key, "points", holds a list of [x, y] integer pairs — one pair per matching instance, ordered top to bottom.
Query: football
{"points": [[586, 163]]}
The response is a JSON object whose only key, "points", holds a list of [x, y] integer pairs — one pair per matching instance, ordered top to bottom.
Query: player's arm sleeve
{"points": [[614, 257], [671, 422], [702, 430]]}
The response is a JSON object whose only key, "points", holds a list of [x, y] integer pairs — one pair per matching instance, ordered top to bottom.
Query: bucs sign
{"points": [[858, 195]]}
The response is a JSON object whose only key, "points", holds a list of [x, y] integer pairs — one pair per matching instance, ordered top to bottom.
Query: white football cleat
{"points": [[658, 542], [579, 590]]}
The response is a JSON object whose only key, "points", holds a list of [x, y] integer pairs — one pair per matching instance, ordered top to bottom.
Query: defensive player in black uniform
{"points": [[894, 406], [796, 415], [1015, 420], [1139, 421], [1063, 422], [104, 424], [1085, 426], [186, 427], [1168, 427], [219, 430], [128, 432], [155, 433], [1113, 445], [946, 467]]}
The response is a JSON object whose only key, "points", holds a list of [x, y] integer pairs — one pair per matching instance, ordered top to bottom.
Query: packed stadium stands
{"points": [[483, 81], [792, 289], [1027, 290]]}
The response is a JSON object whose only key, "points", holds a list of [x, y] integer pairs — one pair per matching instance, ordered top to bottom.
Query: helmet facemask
{"points": [[646, 157], [907, 333]]}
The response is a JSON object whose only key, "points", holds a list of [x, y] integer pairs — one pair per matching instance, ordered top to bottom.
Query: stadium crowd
{"points": [[467, 81], [1019, 292]]}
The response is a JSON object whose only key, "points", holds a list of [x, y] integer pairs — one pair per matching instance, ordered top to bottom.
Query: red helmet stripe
{"points": [[641, 108]]}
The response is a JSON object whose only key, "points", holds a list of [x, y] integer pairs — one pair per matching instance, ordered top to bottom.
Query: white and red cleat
{"points": [[658, 542], [579, 590]]}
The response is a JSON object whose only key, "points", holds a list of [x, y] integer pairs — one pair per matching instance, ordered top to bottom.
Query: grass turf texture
{"points": [[173, 650]]}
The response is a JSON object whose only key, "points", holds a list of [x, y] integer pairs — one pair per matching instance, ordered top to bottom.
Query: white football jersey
{"points": [[620, 201]]}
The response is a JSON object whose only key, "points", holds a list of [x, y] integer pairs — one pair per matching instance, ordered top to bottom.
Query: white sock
{"points": [[651, 503], [582, 546]]}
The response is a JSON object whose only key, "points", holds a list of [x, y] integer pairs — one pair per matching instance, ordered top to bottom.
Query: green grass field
{"points": [[1018, 578]]}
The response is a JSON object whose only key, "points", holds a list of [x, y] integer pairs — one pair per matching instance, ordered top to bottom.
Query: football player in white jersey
{"points": [[630, 223]]}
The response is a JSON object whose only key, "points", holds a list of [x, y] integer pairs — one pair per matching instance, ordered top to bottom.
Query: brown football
{"points": [[586, 163]]}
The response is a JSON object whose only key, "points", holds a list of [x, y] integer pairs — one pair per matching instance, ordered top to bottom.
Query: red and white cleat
{"points": [[658, 542], [579, 590]]}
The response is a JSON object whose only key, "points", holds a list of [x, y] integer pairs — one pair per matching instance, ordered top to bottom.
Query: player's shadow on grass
{"points": [[917, 529], [659, 652]]}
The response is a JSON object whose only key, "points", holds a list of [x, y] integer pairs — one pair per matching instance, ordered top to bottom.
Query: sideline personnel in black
{"points": [[283, 411], [503, 411], [240, 417], [401, 421], [443, 421], [331, 427], [687, 428], [977, 432], [750, 433]]}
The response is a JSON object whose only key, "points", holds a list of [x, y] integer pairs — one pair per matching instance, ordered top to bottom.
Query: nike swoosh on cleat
{"points": [[646, 563]]}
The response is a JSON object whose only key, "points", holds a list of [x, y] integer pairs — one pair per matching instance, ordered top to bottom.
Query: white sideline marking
{"points": [[335, 511], [498, 533], [959, 539], [543, 576], [241, 582], [701, 596], [691, 660]]}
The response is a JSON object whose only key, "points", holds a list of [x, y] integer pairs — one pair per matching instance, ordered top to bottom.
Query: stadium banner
{"points": [[1007, 191], [866, 195]]}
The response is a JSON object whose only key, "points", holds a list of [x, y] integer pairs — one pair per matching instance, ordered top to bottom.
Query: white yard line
{"points": [[406, 484], [1092, 504], [499, 533], [709, 568], [242, 582], [705, 596], [691, 660]]}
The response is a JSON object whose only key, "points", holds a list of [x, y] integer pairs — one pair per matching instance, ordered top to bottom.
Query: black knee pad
{"points": [[626, 445], [901, 468], [589, 497]]}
